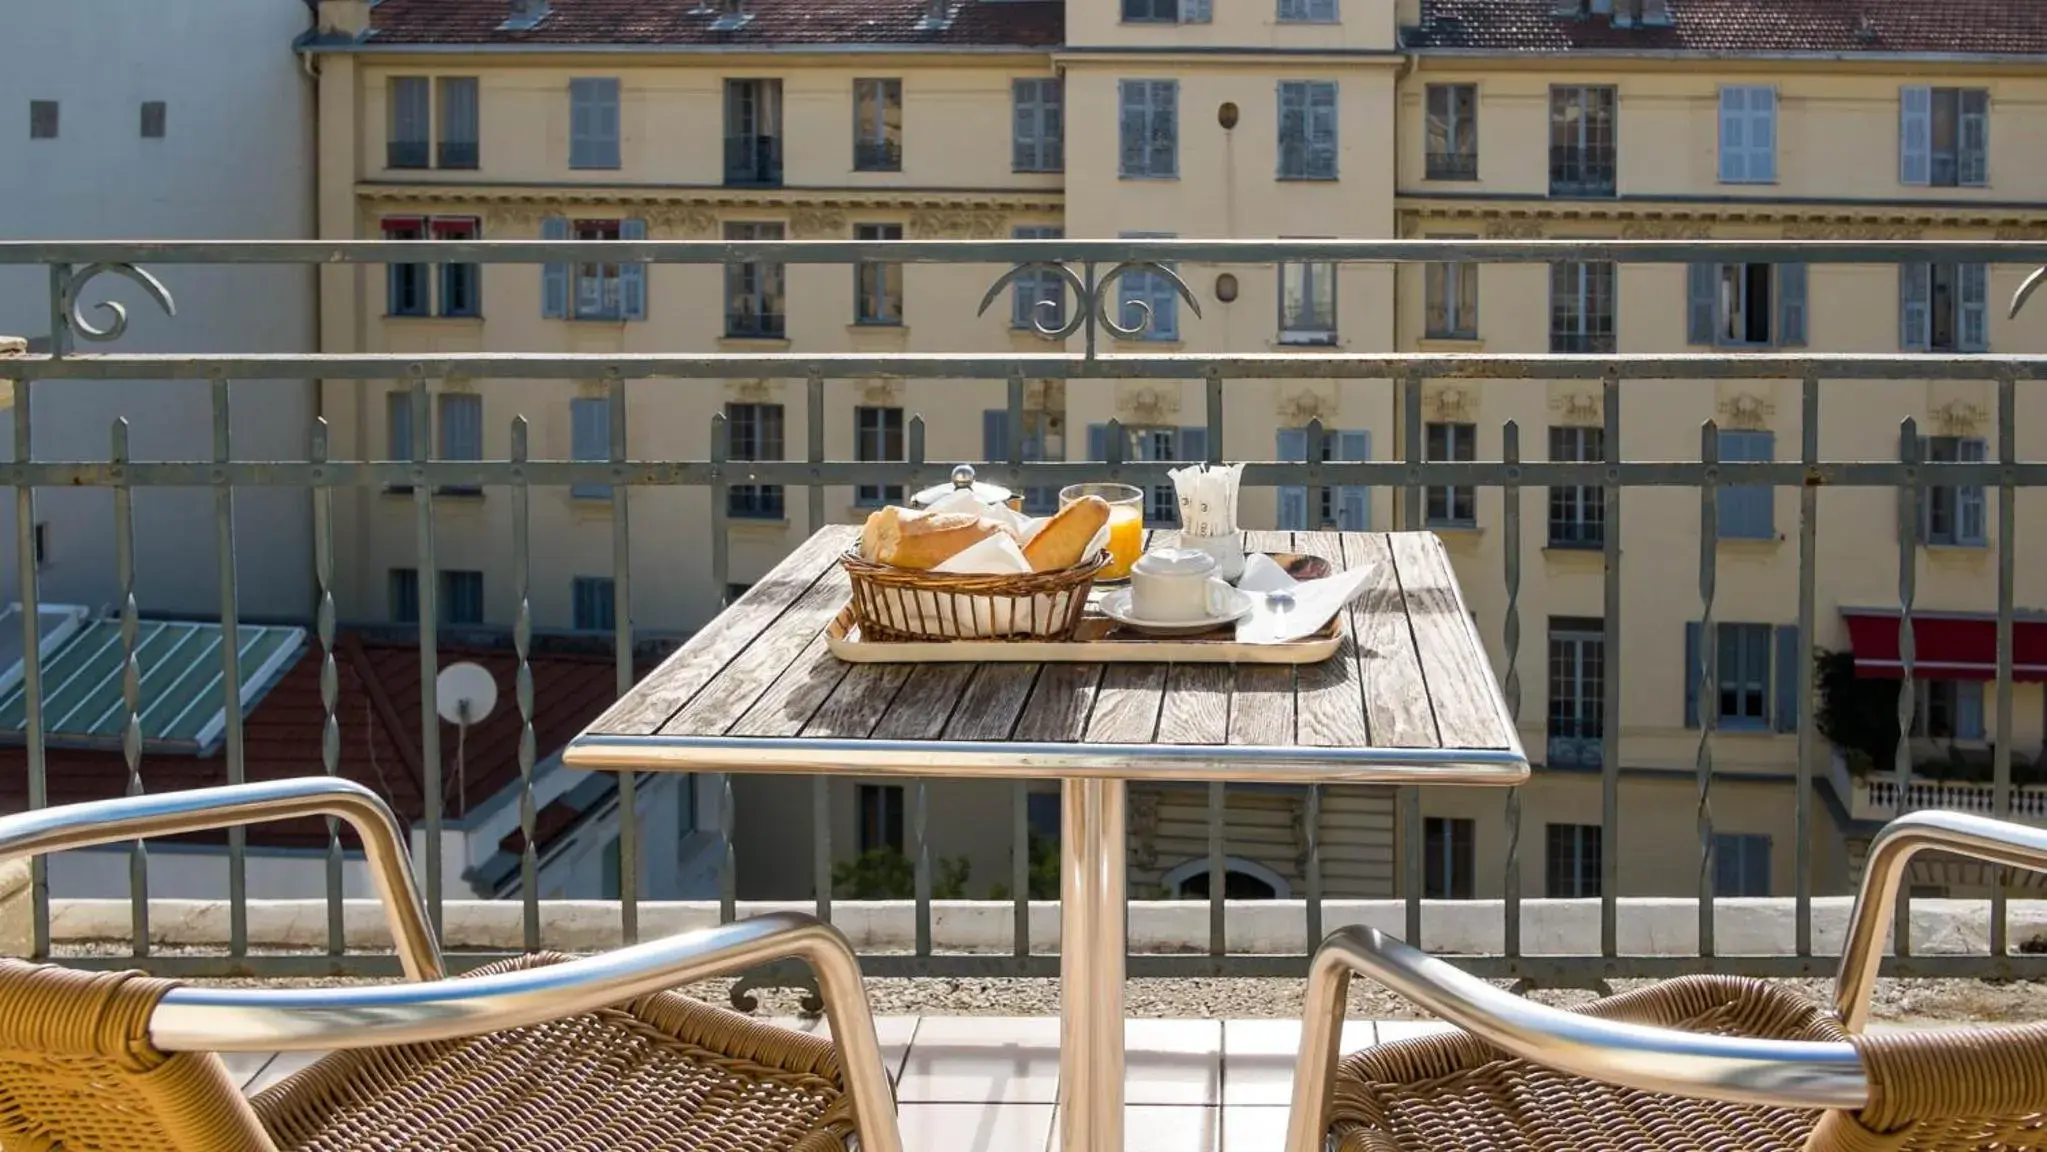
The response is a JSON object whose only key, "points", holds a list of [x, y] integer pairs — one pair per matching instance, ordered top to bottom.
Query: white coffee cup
{"points": [[1172, 586]]}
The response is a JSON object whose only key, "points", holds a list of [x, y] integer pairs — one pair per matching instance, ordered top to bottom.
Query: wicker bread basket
{"points": [[901, 604]]}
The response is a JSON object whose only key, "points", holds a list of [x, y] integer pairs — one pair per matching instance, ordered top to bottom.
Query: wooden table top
{"points": [[1410, 695]]}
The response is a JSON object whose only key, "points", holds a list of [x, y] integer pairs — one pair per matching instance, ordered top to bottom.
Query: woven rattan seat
{"points": [[662, 1072], [1982, 1088]]}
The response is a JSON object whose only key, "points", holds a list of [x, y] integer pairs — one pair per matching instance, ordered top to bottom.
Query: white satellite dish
{"points": [[465, 693]]}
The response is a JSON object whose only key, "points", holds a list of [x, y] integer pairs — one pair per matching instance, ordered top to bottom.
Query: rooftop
{"points": [[992, 23], [1715, 27], [1772, 27], [378, 711]]}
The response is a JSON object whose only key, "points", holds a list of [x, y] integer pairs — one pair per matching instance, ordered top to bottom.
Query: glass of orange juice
{"points": [[1126, 523]]}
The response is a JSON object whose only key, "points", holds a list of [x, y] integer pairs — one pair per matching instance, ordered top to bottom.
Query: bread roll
{"points": [[880, 523], [905, 538], [1063, 542]]}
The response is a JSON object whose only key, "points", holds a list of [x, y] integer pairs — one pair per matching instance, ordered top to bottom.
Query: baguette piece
{"points": [[906, 538], [1062, 542]]}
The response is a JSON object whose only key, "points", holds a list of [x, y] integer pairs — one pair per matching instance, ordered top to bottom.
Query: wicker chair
{"points": [[538, 1052], [1702, 1062]]}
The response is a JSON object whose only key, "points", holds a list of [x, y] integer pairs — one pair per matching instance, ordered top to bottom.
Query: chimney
{"points": [[344, 17]]}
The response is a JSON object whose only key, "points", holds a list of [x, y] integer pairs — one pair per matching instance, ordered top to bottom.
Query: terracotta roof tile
{"points": [[1028, 23], [1986, 27], [283, 735]]}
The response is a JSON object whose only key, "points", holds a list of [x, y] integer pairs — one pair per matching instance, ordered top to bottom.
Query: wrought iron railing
{"points": [[1079, 350]]}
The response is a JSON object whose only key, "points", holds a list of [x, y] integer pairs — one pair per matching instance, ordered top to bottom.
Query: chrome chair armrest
{"points": [[44, 830], [1994, 841], [264, 1019], [1780, 1073]]}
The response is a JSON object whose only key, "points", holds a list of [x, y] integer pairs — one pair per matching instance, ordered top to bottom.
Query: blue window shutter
{"points": [[1165, 112], [606, 124], [1762, 134], [1915, 135], [1135, 137], [1733, 142], [1973, 148], [632, 275], [554, 278], [1915, 289], [1791, 305], [1701, 308], [1975, 332], [398, 419], [461, 426], [995, 434], [590, 439], [1098, 442], [1193, 445], [1293, 499], [1354, 501], [1969, 503], [1747, 511], [404, 595], [594, 598], [1790, 651], [1692, 674], [1969, 710], [1726, 864], [1756, 866]]}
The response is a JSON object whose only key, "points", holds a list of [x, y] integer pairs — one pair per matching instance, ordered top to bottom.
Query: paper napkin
{"points": [[1301, 607]]}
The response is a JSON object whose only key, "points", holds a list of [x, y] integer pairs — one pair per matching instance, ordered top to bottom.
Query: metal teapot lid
{"points": [[962, 478]]}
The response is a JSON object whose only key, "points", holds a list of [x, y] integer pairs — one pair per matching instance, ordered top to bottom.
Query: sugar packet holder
{"points": [[1208, 513]]}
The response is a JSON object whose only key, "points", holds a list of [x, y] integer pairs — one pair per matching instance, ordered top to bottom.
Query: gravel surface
{"points": [[1897, 1000]]}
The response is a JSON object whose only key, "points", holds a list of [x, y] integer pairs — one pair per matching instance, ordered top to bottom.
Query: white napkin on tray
{"points": [[1313, 603], [939, 616]]}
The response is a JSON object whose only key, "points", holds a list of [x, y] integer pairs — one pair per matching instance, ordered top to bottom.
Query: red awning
{"points": [[1945, 645]]}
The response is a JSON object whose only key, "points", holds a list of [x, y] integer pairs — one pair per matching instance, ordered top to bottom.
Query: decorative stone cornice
{"points": [[695, 212], [1535, 218], [817, 223], [959, 224], [1513, 228], [1666, 230], [1848, 230], [753, 391], [882, 392], [1309, 401], [1147, 403], [1450, 404], [1577, 406], [1745, 410], [1960, 417]]}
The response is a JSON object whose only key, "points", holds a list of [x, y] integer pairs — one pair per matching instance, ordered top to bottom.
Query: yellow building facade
{"points": [[1351, 119]]}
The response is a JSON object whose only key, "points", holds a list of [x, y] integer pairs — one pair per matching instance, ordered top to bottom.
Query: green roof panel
{"points": [[181, 676]]}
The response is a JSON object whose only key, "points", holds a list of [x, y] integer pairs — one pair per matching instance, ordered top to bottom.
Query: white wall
{"points": [[235, 163], [199, 872]]}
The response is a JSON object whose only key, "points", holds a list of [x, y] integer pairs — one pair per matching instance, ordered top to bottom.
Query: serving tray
{"points": [[1100, 640]]}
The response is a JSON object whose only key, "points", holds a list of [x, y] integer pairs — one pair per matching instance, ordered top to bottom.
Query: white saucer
{"points": [[1115, 604]]}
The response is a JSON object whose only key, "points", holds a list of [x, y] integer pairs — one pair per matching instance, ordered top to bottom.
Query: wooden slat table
{"points": [[1408, 699]]}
